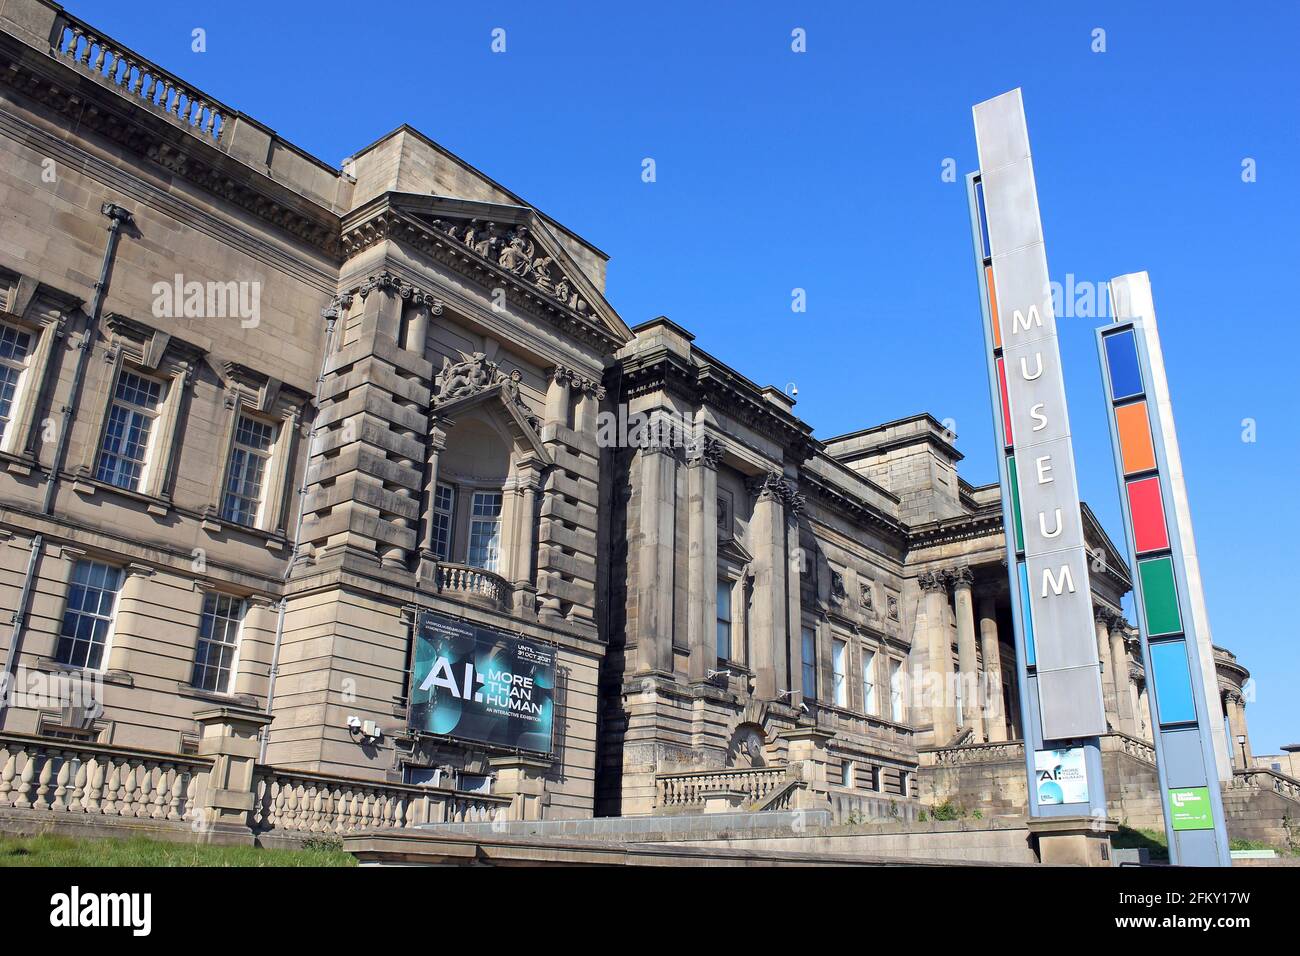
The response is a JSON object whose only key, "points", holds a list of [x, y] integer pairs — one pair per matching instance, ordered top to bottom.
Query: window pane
{"points": [[249, 455], [444, 506], [485, 530], [88, 614], [809, 641], [839, 649], [214, 654], [869, 682]]}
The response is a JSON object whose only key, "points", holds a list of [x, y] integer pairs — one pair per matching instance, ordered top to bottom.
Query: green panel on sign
{"points": [[1015, 501], [1160, 596], [1189, 809]]}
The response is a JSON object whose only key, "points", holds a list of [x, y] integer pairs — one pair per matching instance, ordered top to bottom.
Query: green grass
{"points": [[1129, 838], [49, 850]]}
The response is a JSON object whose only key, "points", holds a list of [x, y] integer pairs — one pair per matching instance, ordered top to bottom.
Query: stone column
{"points": [[702, 556], [655, 558], [428, 567], [1102, 616], [768, 625], [967, 659], [1119, 670], [790, 673], [938, 680], [1235, 708], [993, 709], [1143, 719]]}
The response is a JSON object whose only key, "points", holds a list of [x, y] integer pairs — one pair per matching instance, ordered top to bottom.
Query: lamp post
{"points": [[1241, 742]]}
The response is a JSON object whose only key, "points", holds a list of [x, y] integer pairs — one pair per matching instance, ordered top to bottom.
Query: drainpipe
{"points": [[118, 218], [331, 316]]}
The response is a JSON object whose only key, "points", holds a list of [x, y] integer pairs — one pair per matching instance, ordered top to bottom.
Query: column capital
{"points": [[704, 451], [962, 577], [933, 581]]}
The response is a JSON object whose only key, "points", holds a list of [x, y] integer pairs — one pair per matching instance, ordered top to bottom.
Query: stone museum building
{"points": [[259, 415]]}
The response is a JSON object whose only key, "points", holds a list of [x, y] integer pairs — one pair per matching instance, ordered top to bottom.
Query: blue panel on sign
{"points": [[984, 219], [1122, 360], [1026, 616], [1173, 679]]}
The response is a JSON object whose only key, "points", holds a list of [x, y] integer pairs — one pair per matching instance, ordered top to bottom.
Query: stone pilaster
{"points": [[366, 471], [566, 534], [702, 556], [992, 650], [967, 660]]}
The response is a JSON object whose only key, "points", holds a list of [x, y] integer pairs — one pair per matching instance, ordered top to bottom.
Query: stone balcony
{"points": [[465, 582]]}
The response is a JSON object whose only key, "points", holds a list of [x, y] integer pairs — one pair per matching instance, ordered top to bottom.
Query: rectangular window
{"points": [[15, 347], [126, 436], [242, 503], [444, 506], [485, 530], [88, 615], [724, 620], [218, 646], [809, 663], [839, 674], [868, 682], [896, 692]]}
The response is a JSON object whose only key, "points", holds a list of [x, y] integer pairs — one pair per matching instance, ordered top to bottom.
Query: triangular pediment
{"points": [[512, 245], [476, 382]]}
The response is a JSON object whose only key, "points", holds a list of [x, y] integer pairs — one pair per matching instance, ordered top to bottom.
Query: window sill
{"points": [[88, 487], [118, 678], [198, 693]]}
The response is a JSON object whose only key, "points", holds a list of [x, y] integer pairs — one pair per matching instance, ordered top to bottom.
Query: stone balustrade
{"points": [[91, 52], [462, 580], [1133, 746], [1011, 750], [79, 778], [1261, 778], [689, 788], [307, 803]]}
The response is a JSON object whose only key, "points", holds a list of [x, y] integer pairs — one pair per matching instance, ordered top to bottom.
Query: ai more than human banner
{"points": [[475, 683]]}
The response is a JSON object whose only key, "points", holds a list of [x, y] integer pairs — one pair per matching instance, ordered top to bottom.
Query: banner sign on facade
{"points": [[479, 684], [1062, 776]]}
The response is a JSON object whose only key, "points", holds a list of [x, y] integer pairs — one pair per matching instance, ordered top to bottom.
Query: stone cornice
{"points": [[712, 385], [850, 506]]}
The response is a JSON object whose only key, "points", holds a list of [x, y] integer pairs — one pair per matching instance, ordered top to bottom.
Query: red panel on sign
{"points": [[1006, 406], [1148, 511]]}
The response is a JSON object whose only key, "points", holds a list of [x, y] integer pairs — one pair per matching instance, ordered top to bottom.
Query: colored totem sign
{"points": [[1048, 564], [1181, 712]]}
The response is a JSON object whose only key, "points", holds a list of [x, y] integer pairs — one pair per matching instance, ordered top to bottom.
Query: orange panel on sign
{"points": [[993, 308], [1135, 446]]}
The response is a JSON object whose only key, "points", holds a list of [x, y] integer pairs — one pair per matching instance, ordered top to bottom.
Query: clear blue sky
{"points": [[821, 170]]}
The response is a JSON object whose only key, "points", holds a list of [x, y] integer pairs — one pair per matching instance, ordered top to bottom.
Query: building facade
{"points": [[259, 414]]}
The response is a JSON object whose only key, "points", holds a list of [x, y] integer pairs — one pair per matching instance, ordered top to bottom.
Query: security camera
{"points": [[714, 674], [354, 723]]}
